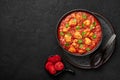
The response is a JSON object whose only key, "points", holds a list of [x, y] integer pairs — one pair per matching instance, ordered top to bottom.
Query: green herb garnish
{"points": [[84, 16], [75, 20], [83, 24], [67, 25], [93, 25], [77, 27], [61, 33], [83, 33], [69, 34], [94, 36], [80, 41], [67, 44], [81, 45], [88, 49]]}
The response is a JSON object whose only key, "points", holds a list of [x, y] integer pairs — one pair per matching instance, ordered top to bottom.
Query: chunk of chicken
{"points": [[73, 15], [78, 17], [68, 18], [72, 22], [86, 22], [65, 29], [86, 30], [87, 33], [90, 34], [77, 35], [67, 38], [75, 40], [87, 41], [93, 43], [75, 45], [72, 49], [81, 51]]}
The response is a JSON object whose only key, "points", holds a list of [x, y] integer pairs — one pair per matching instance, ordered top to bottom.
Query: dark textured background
{"points": [[27, 38]]}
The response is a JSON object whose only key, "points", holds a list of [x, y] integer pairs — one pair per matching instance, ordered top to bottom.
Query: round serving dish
{"points": [[64, 16], [83, 62]]}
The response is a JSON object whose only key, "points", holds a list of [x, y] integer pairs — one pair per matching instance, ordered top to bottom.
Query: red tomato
{"points": [[54, 58], [48, 64], [59, 66], [51, 69]]}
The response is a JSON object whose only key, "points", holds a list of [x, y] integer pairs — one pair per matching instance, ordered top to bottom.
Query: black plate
{"points": [[84, 61]]}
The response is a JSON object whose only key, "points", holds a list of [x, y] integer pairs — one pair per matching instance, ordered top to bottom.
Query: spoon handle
{"points": [[109, 42], [100, 56], [65, 70], [70, 70]]}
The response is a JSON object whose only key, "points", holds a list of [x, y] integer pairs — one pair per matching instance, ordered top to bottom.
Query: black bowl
{"points": [[66, 14]]}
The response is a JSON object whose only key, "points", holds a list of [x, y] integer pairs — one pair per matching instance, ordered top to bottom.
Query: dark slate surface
{"points": [[27, 38]]}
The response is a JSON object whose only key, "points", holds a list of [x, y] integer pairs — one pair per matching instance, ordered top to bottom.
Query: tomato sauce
{"points": [[79, 32]]}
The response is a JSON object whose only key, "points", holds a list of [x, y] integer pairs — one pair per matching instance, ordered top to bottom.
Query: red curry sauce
{"points": [[79, 32]]}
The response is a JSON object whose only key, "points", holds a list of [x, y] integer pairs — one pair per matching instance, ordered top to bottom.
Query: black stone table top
{"points": [[27, 38]]}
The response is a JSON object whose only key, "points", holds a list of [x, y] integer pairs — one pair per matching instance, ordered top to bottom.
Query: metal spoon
{"points": [[98, 58]]}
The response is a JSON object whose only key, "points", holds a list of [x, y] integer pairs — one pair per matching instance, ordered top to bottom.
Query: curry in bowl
{"points": [[79, 32]]}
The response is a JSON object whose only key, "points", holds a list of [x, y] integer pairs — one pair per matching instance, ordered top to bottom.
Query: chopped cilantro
{"points": [[84, 16], [75, 20], [94, 23], [83, 24], [67, 25], [92, 26], [77, 27], [61, 33], [83, 33], [69, 34], [94, 36], [80, 41], [67, 44], [81, 45], [88, 49]]}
